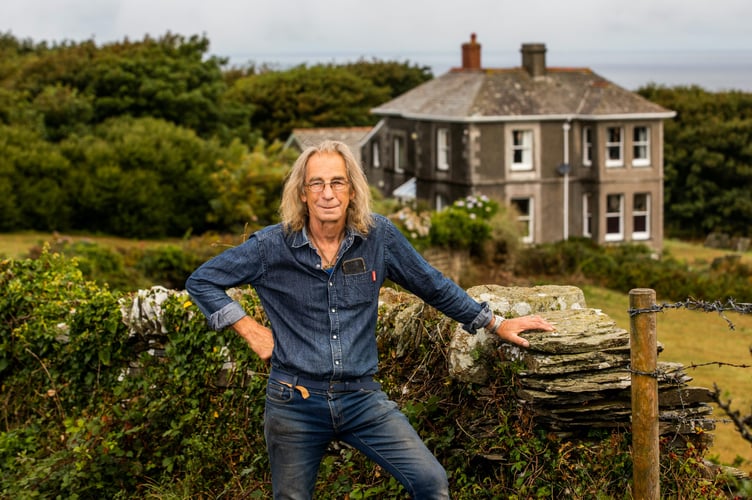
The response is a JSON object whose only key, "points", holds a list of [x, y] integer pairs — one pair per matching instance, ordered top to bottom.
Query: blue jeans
{"points": [[298, 432]]}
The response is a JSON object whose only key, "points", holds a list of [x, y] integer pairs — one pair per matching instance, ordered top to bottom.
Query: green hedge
{"points": [[624, 267]]}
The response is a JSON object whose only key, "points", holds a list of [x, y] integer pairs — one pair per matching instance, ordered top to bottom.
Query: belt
{"points": [[302, 383]]}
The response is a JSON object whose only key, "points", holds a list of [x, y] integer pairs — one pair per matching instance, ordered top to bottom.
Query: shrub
{"points": [[464, 225]]}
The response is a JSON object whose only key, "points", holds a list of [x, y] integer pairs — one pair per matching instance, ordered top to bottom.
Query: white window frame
{"points": [[398, 144], [615, 144], [587, 145], [641, 146], [442, 148], [523, 148], [375, 155], [644, 214], [587, 215], [617, 215], [525, 219]]}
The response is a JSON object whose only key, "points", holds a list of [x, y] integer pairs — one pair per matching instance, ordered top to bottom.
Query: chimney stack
{"points": [[471, 54], [534, 58]]}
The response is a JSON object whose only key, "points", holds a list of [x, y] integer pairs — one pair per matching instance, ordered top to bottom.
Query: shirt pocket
{"points": [[359, 288]]}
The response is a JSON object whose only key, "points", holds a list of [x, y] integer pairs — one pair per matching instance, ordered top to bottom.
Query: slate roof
{"points": [[477, 95], [352, 136]]}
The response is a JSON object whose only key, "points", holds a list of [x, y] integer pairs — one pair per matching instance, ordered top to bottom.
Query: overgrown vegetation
{"points": [[153, 138], [157, 138], [85, 416]]}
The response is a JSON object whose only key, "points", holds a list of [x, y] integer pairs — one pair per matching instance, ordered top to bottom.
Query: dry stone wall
{"points": [[571, 380]]}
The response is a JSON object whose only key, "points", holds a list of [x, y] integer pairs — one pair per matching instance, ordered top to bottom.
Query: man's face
{"points": [[328, 205]]}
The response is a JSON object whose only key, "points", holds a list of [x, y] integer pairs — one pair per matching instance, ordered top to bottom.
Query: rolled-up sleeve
{"points": [[208, 284], [228, 315], [481, 320]]}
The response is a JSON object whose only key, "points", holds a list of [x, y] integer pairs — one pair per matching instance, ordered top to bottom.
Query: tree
{"points": [[170, 77], [397, 77], [316, 96], [708, 160], [142, 177], [35, 182], [248, 186]]}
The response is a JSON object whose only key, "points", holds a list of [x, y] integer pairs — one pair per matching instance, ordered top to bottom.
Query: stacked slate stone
{"points": [[578, 378]]}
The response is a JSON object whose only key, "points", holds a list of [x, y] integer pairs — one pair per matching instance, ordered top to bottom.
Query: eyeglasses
{"points": [[337, 185]]}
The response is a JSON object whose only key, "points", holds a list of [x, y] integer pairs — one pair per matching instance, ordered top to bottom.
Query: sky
{"points": [[424, 32]]}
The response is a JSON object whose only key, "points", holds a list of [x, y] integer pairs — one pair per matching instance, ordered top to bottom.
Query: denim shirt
{"points": [[324, 323]]}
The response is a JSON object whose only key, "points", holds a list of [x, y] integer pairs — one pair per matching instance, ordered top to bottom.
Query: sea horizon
{"points": [[714, 70]]}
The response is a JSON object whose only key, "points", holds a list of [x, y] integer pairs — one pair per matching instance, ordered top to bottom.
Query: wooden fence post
{"points": [[644, 385]]}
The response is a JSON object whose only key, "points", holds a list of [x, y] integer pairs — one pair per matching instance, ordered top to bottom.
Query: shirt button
{"points": [[331, 284], [334, 310], [334, 337], [336, 362]]}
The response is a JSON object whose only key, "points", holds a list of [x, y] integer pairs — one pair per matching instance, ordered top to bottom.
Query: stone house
{"points": [[575, 154]]}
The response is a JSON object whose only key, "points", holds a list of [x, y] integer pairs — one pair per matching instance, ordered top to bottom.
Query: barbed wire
{"points": [[699, 305], [673, 376]]}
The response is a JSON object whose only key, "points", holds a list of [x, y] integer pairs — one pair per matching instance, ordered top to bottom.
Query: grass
{"points": [[18, 245], [689, 337], [695, 338]]}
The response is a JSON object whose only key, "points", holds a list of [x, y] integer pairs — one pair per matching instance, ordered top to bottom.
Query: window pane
{"points": [[640, 134], [587, 145], [641, 146], [614, 147], [442, 149], [522, 149], [640, 202], [613, 203], [614, 207], [641, 216], [640, 223], [612, 225]]}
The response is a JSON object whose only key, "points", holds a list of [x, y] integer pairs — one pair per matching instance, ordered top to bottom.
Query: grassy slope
{"points": [[688, 337], [694, 338]]}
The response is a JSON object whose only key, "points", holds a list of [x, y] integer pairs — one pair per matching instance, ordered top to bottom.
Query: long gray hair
{"points": [[294, 212]]}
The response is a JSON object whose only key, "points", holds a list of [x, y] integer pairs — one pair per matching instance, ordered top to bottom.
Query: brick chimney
{"points": [[471, 54], [534, 58]]}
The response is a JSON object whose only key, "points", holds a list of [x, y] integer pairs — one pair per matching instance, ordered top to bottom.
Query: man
{"points": [[318, 275]]}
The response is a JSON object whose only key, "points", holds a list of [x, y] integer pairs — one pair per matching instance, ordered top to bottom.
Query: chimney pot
{"points": [[471, 53], [534, 58]]}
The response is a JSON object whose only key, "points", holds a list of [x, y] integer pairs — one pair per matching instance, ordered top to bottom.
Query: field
{"points": [[17, 245], [688, 337], [695, 338]]}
